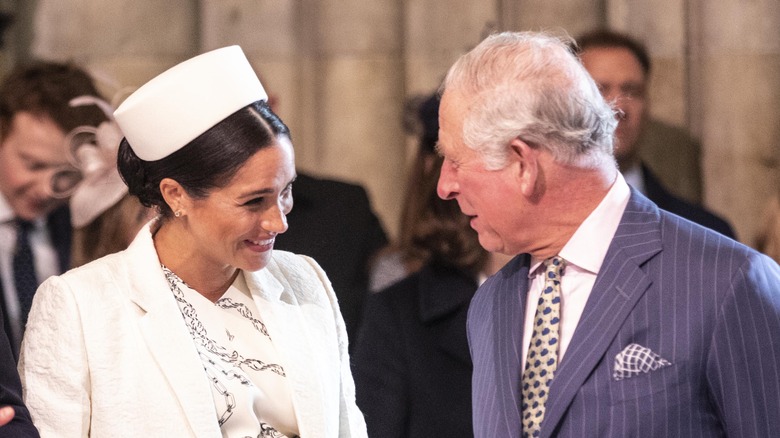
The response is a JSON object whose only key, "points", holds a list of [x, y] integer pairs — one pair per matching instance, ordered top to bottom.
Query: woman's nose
{"points": [[275, 219]]}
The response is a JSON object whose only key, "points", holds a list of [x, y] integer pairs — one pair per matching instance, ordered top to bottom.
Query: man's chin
{"points": [[32, 212], [490, 243]]}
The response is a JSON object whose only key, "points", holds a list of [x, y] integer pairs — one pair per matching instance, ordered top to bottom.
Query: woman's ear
{"points": [[528, 167], [174, 195]]}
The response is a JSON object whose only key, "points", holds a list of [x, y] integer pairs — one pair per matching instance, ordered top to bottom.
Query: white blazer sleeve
{"points": [[53, 363]]}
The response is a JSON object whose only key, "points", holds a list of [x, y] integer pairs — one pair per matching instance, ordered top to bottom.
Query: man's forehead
{"points": [[36, 139]]}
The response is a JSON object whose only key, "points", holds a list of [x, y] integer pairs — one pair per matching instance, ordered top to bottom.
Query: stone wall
{"points": [[342, 70]]}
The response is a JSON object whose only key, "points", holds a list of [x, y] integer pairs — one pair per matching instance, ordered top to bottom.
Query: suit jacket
{"points": [[657, 193], [333, 223], [60, 233], [705, 303], [107, 354], [411, 362], [11, 394]]}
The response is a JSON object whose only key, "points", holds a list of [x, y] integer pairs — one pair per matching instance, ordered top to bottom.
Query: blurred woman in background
{"points": [[411, 362]]}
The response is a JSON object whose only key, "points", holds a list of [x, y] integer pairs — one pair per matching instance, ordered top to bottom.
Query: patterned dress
{"points": [[251, 393]]}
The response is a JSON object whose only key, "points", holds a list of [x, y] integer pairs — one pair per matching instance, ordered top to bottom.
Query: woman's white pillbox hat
{"points": [[185, 101]]}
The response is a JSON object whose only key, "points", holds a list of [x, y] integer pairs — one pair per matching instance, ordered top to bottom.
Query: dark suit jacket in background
{"points": [[664, 199], [332, 222], [60, 233], [705, 303], [411, 363], [11, 393]]}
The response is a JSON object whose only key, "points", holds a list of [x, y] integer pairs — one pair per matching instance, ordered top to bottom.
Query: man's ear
{"points": [[527, 164], [174, 194]]}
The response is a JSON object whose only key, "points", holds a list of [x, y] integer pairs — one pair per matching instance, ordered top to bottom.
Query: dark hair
{"points": [[610, 39], [46, 89], [428, 114], [208, 162], [433, 230], [109, 232]]}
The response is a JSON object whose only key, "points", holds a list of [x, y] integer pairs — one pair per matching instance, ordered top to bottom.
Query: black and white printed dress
{"points": [[252, 395]]}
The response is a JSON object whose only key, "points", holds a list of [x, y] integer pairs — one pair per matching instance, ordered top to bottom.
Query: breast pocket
{"points": [[647, 384]]}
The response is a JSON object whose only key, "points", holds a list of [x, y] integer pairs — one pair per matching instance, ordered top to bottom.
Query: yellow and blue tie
{"points": [[542, 357]]}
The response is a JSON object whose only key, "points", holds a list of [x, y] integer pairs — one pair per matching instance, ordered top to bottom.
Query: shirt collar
{"points": [[6, 213], [8, 216], [588, 246]]}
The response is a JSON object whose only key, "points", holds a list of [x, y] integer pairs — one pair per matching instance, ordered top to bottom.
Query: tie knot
{"points": [[554, 267]]}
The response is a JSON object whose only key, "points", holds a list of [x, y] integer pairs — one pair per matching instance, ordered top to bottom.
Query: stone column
{"points": [[569, 16], [436, 33], [268, 34], [122, 44], [337, 70], [735, 78], [353, 95], [665, 145]]}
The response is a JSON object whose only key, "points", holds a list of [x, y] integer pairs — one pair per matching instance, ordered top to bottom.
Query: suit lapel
{"points": [[60, 232], [620, 283], [509, 287], [166, 335]]}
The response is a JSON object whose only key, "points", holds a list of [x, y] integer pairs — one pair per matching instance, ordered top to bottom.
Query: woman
{"points": [[199, 328], [411, 360]]}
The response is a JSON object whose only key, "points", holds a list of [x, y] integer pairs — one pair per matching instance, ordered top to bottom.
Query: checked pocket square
{"points": [[635, 360]]}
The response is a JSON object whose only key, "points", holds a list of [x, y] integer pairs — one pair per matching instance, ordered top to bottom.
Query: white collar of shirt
{"points": [[6, 214], [588, 246]]}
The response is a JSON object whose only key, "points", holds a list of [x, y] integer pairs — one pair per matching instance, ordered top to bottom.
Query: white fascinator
{"points": [[93, 184]]}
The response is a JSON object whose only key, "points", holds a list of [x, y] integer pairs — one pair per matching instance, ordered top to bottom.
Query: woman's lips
{"points": [[260, 245]]}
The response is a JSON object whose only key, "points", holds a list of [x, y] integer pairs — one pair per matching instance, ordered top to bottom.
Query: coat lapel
{"points": [[60, 231], [620, 283], [509, 287], [444, 294], [293, 328], [166, 336]]}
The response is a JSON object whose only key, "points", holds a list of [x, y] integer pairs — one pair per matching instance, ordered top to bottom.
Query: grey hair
{"points": [[530, 86]]}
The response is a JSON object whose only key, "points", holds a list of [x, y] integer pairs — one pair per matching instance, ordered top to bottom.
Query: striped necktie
{"points": [[24, 268], [542, 357]]}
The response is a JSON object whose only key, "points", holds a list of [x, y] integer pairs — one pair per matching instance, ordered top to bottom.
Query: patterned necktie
{"points": [[24, 268], [542, 357]]}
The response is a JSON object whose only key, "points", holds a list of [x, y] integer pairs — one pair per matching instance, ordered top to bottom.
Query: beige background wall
{"points": [[343, 70]]}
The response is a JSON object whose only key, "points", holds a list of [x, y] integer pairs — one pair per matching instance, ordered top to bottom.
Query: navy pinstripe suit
{"points": [[705, 303]]}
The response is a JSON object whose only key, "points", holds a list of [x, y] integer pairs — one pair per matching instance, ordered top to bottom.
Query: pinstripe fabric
{"points": [[705, 303]]}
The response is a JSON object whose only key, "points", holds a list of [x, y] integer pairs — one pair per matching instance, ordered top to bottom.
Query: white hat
{"points": [[185, 101]]}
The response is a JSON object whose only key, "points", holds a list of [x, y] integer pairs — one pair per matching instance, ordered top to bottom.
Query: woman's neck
{"points": [[200, 273]]}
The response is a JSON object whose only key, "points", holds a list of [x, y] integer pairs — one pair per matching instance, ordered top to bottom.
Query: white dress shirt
{"points": [[584, 253]]}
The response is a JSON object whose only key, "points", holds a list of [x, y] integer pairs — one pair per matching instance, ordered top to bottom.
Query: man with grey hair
{"points": [[615, 318]]}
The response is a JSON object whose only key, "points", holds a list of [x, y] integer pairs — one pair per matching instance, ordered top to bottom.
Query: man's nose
{"points": [[447, 188]]}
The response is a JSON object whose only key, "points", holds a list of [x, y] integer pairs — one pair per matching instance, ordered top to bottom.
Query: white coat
{"points": [[106, 352]]}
